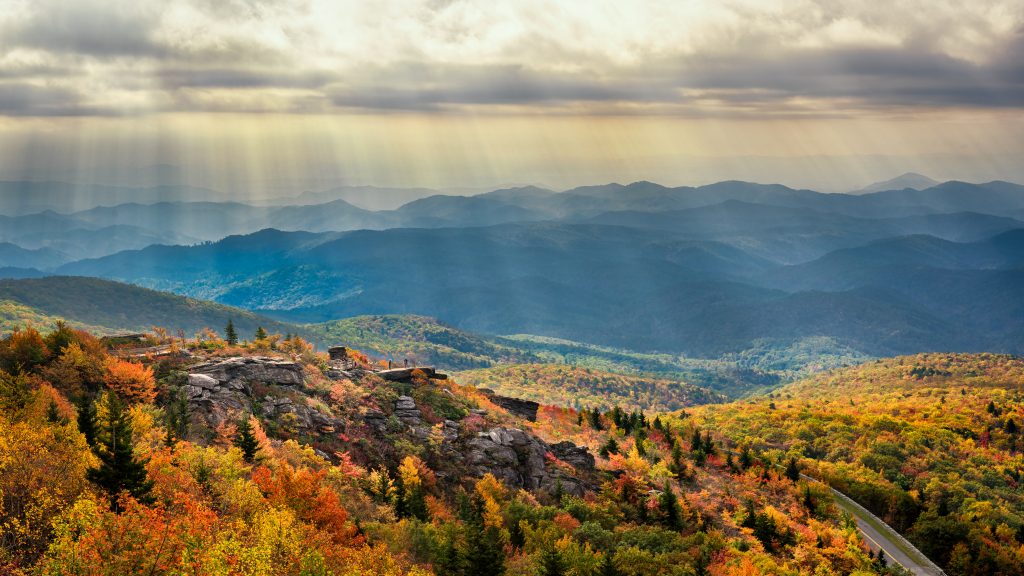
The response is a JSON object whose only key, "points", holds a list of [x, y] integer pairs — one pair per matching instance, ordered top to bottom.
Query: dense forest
{"points": [[931, 443], [113, 463]]}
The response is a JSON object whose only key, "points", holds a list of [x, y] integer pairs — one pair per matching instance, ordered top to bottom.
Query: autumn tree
{"points": [[261, 334], [23, 350], [132, 381], [119, 470], [412, 497], [484, 546], [551, 563]]}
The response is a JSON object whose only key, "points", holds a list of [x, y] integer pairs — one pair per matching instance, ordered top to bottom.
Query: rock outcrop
{"points": [[241, 370], [405, 374], [220, 390], [523, 408], [520, 459]]}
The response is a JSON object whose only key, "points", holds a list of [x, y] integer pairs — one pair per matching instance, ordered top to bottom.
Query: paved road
{"points": [[880, 536]]}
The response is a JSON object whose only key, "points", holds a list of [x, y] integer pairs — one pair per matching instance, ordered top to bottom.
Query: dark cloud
{"points": [[99, 29], [130, 48], [868, 77], [412, 86], [18, 99]]}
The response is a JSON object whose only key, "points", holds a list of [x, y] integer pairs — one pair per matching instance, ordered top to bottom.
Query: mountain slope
{"points": [[907, 180], [116, 307], [564, 385], [931, 443]]}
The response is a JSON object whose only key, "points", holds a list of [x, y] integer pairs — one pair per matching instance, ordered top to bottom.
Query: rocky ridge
{"points": [[220, 391]]}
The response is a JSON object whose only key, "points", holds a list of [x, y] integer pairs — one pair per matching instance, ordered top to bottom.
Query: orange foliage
{"points": [[130, 380], [304, 492]]}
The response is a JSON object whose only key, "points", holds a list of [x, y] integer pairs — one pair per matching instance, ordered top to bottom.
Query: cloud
{"points": [[765, 57]]}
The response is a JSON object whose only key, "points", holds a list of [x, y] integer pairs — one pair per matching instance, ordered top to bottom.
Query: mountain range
{"points": [[697, 271]]}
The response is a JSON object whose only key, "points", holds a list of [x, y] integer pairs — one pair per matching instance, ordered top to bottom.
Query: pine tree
{"points": [[229, 333], [261, 334], [53, 413], [87, 420], [1011, 426], [246, 440], [610, 447], [746, 460], [119, 470], [792, 470], [671, 513], [485, 554], [881, 559], [551, 562]]}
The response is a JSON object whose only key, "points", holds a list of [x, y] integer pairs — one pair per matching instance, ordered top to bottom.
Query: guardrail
{"points": [[927, 567]]}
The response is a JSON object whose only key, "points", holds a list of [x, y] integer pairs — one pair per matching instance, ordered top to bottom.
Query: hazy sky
{"points": [[271, 94]]}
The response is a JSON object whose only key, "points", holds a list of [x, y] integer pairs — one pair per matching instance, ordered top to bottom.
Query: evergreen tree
{"points": [[230, 334], [261, 334], [53, 413], [87, 420], [595, 420], [1011, 426], [246, 440], [696, 442], [708, 444], [610, 447], [677, 457], [746, 460], [119, 470], [792, 470], [559, 492], [671, 513], [484, 553], [447, 558], [880, 560], [551, 562], [608, 565]]}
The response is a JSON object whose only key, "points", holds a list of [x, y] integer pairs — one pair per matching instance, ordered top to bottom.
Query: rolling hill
{"points": [[564, 385]]}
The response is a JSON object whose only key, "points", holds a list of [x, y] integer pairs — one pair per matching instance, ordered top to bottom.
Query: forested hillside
{"points": [[563, 385], [931, 443], [268, 458]]}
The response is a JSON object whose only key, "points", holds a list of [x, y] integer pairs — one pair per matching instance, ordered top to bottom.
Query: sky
{"points": [[267, 96]]}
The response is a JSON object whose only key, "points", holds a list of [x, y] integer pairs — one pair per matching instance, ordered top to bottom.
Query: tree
{"points": [[261, 334], [230, 335], [22, 350], [132, 381], [53, 415], [87, 420], [246, 440], [609, 448], [746, 460], [119, 470], [792, 470], [413, 501], [671, 513], [484, 554], [551, 561], [608, 567]]}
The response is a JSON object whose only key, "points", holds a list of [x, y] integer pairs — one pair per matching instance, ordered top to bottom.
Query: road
{"points": [[881, 536]]}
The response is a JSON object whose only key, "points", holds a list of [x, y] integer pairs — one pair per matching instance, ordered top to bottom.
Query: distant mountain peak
{"points": [[907, 180]]}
